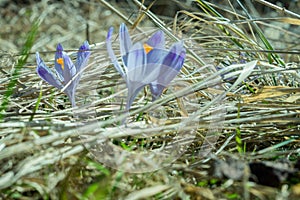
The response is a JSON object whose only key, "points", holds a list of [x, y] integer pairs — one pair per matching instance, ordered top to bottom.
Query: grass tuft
{"points": [[16, 72]]}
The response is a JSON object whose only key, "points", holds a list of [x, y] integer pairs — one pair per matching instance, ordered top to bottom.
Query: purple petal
{"points": [[157, 40], [125, 41], [111, 52], [83, 56], [156, 56], [136, 57], [175, 57], [58, 68], [138, 69], [169, 69], [69, 70], [136, 72], [45, 73], [166, 75], [133, 90], [156, 90], [71, 95]]}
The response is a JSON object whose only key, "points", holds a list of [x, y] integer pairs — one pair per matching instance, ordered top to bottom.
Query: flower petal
{"points": [[157, 40], [125, 43], [111, 52], [83, 55], [156, 56], [176, 56], [136, 57], [58, 67], [169, 69], [69, 70], [139, 70], [45, 73], [135, 78], [156, 90], [133, 91], [71, 95]]}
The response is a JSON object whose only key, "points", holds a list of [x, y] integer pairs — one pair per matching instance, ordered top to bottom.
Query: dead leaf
{"points": [[290, 20], [269, 92], [293, 98], [296, 189], [199, 193]]}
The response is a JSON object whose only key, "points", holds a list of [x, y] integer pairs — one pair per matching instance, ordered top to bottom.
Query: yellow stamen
{"points": [[147, 48], [61, 62]]}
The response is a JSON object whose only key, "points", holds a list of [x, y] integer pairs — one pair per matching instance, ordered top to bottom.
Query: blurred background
{"points": [[72, 22]]}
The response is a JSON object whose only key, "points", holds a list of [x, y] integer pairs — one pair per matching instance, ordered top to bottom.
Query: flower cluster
{"points": [[148, 63], [67, 74]]}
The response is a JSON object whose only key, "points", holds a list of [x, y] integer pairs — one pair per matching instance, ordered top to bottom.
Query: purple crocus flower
{"points": [[146, 64], [65, 70]]}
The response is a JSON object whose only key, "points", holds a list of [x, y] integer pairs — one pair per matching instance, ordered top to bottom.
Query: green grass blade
{"points": [[211, 11], [262, 37], [20, 63]]}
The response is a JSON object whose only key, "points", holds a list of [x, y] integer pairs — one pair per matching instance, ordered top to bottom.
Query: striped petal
{"points": [[157, 40], [125, 41], [111, 52], [83, 55], [156, 56], [176, 56], [58, 67], [170, 67], [69, 69], [136, 69], [46, 74]]}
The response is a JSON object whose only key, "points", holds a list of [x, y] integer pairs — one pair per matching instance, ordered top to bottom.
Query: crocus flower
{"points": [[148, 63], [65, 70]]}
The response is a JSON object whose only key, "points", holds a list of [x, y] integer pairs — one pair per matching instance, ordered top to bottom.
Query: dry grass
{"points": [[237, 97]]}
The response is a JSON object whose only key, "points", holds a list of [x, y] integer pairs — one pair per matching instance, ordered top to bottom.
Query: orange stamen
{"points": [[147, 48], [61, 62]]}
